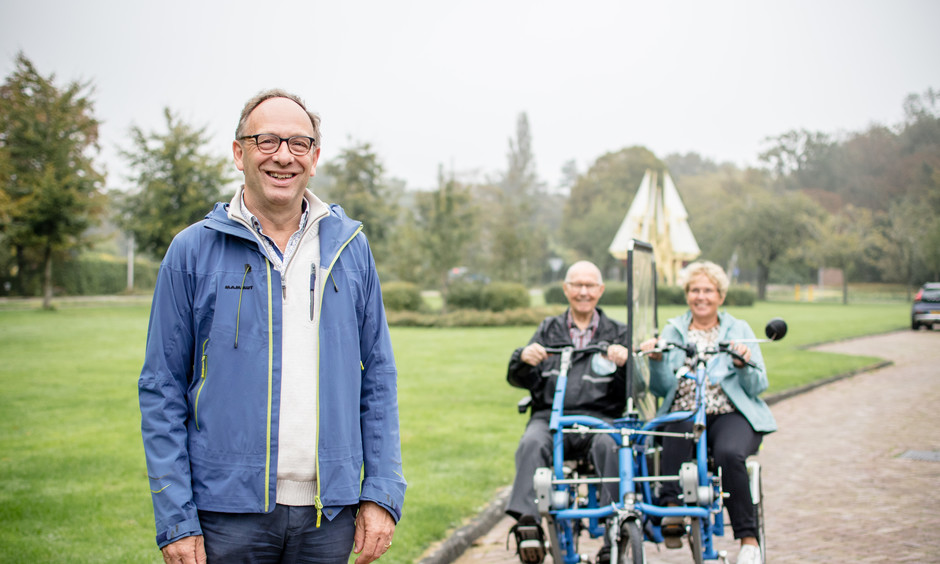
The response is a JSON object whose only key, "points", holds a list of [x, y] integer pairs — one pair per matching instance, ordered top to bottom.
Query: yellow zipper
{"points": [[329, 272], [205, 368], [267, 456]]}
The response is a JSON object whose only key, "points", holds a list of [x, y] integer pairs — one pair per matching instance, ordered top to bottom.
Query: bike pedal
{"points": [[672, 542], [531, 551]]}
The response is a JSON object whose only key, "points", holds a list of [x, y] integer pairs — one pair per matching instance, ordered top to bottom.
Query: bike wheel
{"points": [[695, 540], [630, 544]]}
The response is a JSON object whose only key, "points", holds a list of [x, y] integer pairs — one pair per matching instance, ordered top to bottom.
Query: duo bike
{"points": [[567, 495]]}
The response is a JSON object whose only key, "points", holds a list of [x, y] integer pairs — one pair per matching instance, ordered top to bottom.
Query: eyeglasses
{"points": [[268, 143], [590, 287], [702, 291]]}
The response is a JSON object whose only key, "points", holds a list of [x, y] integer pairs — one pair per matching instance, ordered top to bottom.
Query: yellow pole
{"points": [[796, 292], [809, 293]]}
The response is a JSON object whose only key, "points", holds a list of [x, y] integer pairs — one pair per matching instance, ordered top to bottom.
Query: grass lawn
{"points": [[74, 486]]}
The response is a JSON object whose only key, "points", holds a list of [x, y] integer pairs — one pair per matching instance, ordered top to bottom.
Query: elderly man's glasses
{"points": [[268, 143], [590, 287]]}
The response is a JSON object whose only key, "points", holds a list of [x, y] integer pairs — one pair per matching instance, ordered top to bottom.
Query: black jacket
{"points": [[590, 390]]}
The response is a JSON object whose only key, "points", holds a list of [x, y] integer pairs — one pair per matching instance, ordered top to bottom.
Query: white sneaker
{"points": [[749, 554]]}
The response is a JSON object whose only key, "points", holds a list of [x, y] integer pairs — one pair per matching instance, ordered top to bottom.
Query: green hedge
{"points": [[91, 275], [615, 293], [555, 294], [670, 295], [402, 296], [496, 296], [502, 296], [738, 296], [473, 318]]}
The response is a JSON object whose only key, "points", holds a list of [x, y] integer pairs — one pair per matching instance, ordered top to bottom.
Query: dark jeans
{"points": [[731, 439], [535, 450], [286, 535]]}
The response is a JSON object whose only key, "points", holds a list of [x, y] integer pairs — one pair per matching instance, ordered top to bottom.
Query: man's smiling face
{"points": [[275, 182]]}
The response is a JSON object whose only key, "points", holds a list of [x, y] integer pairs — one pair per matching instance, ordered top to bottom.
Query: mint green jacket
{"points": [[741, 385]]}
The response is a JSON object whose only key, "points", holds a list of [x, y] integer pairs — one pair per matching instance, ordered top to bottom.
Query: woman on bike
{"points": [[736, 417]]}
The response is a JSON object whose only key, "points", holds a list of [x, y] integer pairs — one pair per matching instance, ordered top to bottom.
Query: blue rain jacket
{"points": [[210, 385]]}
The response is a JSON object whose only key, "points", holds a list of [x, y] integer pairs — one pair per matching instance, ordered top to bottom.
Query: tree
{"points": [[922, 121], [798, 157], [689, 164], [867, 170], [569, 176], [176, 182], [357, 183], [51, 191], [600, 200], [714, 200], [447, 223], [769, 226], [517, 235], [908, 238], [844, 240]]}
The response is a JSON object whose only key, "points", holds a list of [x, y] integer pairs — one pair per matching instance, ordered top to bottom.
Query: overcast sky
{"points": [[431, 83]]}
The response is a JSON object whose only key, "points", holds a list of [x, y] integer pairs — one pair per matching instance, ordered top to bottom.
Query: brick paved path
{"points": [[836, 486]]}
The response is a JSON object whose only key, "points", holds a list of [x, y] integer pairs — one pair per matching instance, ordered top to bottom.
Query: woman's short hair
{"points": [[256, 101], [705, 268]]}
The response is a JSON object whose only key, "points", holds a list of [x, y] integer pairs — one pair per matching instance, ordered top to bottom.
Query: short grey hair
{"points": [[265, 95], [582, 264], [709, 270]]}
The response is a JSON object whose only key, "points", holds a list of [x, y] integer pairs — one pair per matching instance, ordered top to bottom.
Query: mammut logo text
{"points": [[239, 287]]}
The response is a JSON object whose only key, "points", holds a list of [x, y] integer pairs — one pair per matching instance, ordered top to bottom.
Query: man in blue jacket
{"points": [[268, 395]]}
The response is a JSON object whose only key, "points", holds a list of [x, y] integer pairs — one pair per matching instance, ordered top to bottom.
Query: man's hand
{"points": [[649, 345], [533, 354], [618, 354], [375, 528], [187, 550]]}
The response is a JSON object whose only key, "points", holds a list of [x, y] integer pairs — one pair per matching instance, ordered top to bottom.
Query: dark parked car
{"points": [[926, 308]]}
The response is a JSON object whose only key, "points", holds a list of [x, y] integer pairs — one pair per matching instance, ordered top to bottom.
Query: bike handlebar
{"points": [[775, 330], [595, 347], [692, 352]]}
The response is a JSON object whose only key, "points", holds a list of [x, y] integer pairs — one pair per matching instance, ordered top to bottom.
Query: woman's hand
{"points": [[647, 346], [743, 351]]}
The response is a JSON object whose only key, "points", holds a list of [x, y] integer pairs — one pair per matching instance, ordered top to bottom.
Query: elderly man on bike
{"points": [[596, 387]]}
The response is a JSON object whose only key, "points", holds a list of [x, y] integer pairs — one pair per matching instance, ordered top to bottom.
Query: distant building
{"points": [[657, 216], [830, 277]]}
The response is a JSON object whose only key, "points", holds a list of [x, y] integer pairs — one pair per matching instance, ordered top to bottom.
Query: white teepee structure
{"points": [[657, 216]]}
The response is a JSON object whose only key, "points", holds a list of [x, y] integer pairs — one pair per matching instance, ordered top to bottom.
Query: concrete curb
{"points": [[780, 396], [460, 540]]}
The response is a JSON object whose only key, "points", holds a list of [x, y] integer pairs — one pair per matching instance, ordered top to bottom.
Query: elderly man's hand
{"points": [[533, 354], [618, 354], [375, 528], [187, 550]]}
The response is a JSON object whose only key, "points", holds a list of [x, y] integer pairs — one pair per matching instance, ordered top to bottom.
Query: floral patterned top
{"points": [[716, 401]]}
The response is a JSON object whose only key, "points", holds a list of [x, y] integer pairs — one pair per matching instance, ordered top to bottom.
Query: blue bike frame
{"points": [[635, 493]]}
